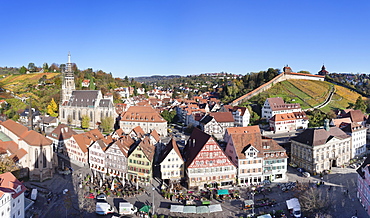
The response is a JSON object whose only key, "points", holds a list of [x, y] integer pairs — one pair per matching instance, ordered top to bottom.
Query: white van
{"points": [[34, 194], [294, 207], [103, 208], [126, 208]]}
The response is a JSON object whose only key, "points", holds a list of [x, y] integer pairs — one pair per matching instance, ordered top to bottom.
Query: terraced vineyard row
{"points": [[16, 80], [311, 93]]}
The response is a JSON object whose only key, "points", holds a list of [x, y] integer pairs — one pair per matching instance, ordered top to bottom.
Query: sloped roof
{"points": [[83, 98], [105, 103], [277, 104], [142, 114], [289, 116], [356, 116], [222, 117], [338, 122], [14, 127], [353, 127], [245, 129], [138, 131], [62, 132], [155, 135], [314, 137], [35, 139], [241, 141], [83, 142], [171, 145], [194, 145], [270, 145], [10, 146], [147, 148], [19, 154], [364, 166], [9, 183]]}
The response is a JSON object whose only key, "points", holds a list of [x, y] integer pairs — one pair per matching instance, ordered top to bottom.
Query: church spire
{"points": [[69, 64]]}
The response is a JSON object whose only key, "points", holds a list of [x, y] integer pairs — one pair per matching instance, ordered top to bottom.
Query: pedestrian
{"points": [[347, 191]]}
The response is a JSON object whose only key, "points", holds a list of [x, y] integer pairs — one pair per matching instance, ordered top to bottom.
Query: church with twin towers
{"points": [[75, 104]]}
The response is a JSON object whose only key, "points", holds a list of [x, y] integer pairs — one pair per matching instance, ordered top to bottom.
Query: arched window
{"points": [[64, 114], [74, 115], [79, 115], [101, 115], [91, 116], [36, 158], [44, 163]]}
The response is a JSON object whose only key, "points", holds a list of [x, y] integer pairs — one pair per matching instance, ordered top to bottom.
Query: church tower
{"points": [[68, 84]]}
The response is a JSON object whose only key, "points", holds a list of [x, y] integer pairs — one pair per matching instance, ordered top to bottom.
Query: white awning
{"points": [[177, 208], [215, 208]]}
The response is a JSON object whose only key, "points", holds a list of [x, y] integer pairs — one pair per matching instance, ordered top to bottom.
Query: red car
{"points": [[91, 196]]}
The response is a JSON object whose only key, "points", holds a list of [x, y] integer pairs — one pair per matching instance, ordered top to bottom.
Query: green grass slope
{"points": [[310, 93]]}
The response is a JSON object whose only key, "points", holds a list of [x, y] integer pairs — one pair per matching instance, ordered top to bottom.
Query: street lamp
{"points": [[253, 189], [153, 202]]}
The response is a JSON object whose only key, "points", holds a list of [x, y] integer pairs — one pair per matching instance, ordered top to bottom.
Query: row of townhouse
{"points": [[320, 149], [128, 156], [248, 159], [258, 159]]}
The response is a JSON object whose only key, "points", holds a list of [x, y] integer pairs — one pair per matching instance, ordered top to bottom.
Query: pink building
{"points": [[363, 185]]}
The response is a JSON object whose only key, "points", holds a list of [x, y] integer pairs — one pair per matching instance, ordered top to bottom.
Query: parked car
{"points": [[293, 165], [306, 174], [102, 197]]}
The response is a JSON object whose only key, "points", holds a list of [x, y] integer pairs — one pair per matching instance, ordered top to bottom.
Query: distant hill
{"points": [[154, 78], [310, 93]]}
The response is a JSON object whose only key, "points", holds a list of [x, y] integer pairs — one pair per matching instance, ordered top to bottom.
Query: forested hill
{"points": [[154, 78]]}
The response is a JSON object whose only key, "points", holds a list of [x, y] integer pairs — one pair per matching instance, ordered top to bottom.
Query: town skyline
{"points": [[187, 38]]}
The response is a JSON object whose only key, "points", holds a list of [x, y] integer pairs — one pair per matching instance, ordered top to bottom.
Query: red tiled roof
{"points": [[141, 114], [222, 117], [9, 184]]}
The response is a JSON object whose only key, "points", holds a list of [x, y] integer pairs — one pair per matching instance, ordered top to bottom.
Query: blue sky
{"points": [[182, 37]]}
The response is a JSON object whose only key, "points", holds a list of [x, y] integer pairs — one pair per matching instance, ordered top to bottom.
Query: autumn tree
{"points": [[52, 108], [85, 123], [107, 124], [7, 165]]}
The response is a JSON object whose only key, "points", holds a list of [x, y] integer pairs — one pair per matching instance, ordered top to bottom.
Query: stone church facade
{"points": [[77, 103]]}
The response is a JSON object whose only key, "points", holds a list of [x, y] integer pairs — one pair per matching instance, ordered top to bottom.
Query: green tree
{"points": [[45, 66], [31, 67], [23, 70], [92, 84], [360, 104], [52, 108], [168, 115], [85, 123], [107, 124]]}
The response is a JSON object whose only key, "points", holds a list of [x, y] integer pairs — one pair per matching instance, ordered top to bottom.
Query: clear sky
{"points": [[182, 37]]}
